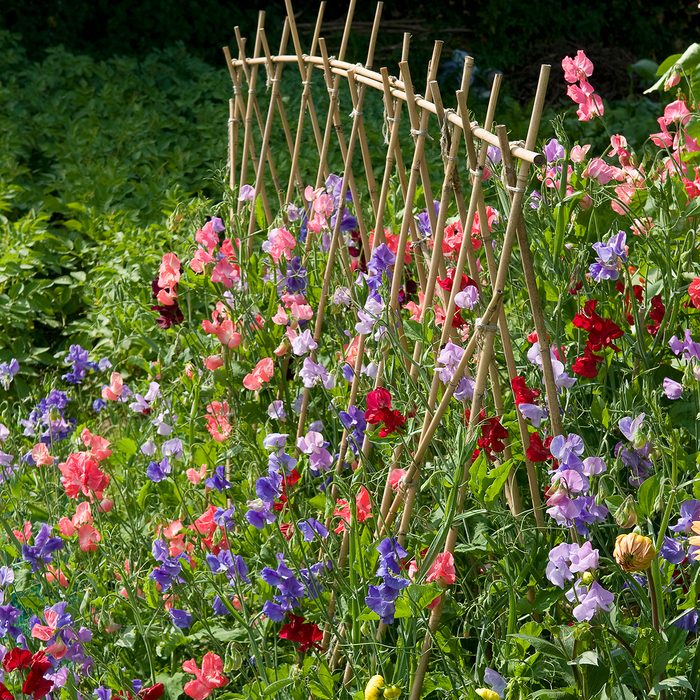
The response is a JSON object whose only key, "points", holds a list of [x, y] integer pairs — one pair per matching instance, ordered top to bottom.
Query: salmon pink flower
{"points": [[222, 327], [213, 362], [261, 374], [115, 389], [217, 420], [80, 474], [362, 504], [442, 570], [207, 678]]}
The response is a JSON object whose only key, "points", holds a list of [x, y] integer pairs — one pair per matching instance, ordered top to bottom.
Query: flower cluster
{"points": [[382, 598]]}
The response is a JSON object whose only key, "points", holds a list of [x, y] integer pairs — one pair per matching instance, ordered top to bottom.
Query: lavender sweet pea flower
{"points": [[553, 151], [493, 153], [246, 193], [611, 257], [380, 262], [468, 298], [368, 317], [303, 343], [8, 371], [312, 373], [672, 389], [276, 411], [534, 413], [630, 427], [4, 432], [275, 441], [314, 445], [172, 448], [592, 466], [259, 513], [311, 528], [7, 576], [590, 600], [497, 682]]}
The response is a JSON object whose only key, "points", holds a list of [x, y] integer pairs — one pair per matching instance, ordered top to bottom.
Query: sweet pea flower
{"points": [[279, 244], [261, 374], [672, 390], [114, 391], [442, 570], [208, 678]]}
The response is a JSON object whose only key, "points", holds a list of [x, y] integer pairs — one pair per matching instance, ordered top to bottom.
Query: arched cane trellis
{"points": [[321, 125]]}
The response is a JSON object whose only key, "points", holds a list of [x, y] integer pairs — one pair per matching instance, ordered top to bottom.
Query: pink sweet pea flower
{"points": [[578, 68], [676, 112], [578, 153], [280, 244], [201, 258], [169, 273], [280, 318], [213, 362], [261, 374], [115, 388], [217, 420], [41, 456], [80, 474], [195, 476], [395, 477], [442, 570], [209, 677]]}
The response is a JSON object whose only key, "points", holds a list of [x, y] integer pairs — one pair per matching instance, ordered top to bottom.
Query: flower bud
{"points": [[673, 79], [626, 515], [633, 552], [587, 578], [392, 692]]}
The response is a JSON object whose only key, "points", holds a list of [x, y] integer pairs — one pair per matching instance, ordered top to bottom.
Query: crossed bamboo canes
{"points": [[395, 92], [488, 333]]}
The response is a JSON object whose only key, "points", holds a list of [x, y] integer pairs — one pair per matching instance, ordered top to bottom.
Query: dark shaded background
{"points": [[503, 35]]}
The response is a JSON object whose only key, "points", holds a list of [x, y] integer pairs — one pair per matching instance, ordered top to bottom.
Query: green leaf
{"points": [[688, 61], [125, 446], [647, 495], [542, 645], [589, 658], [669, 683], [277, 686]]}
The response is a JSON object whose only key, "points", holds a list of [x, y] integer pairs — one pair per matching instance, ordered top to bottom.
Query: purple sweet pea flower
{"points": [[611, 258], [303, 343], [8, 371], [672, 389], [276, 411], [534, 413], [630, 427], [158, 471], [218, 481], [690, 511], [311, 528], [672, 551], [41, 552], [181, 618], [688, 621], [497, 682]]}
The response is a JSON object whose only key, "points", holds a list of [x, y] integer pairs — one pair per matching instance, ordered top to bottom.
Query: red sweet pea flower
{"points": [[694, 292], [656, 314], [601, 331], [587, 365], [521, 393], [379, 411], [492, 436], [537, 451], [305, 634], [17, 658], [35, 684], [153, 692], [5, 694]]}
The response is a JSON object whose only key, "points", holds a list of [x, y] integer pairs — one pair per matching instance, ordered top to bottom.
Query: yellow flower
{"points": [[695, 541], [633, 552], [374, 687], [392, 692], [487, 694]]}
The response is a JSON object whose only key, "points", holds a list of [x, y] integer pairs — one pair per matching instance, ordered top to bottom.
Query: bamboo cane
{"points": [[306, 73], [265, 145]]}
